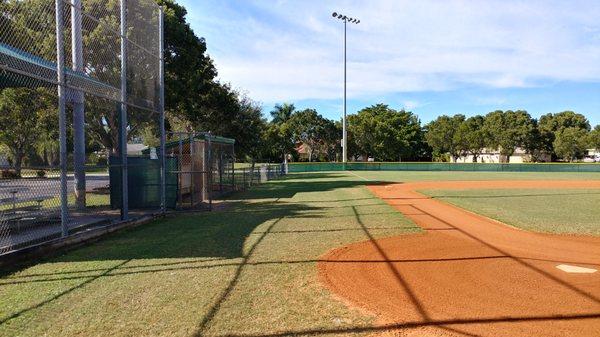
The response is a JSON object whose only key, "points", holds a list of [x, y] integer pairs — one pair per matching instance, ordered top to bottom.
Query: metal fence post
{"points": [[77, 98], [161, 109], [123, 113], [62, 118], [192, 168], [210, 171], [180, 173], [244, 179]]}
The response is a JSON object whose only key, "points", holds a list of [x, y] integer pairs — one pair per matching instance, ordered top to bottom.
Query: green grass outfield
{"points": [[553, 211], [248, 269]]}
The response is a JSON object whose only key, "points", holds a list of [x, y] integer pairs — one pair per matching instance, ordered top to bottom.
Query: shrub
{"points": [[92, 159]]}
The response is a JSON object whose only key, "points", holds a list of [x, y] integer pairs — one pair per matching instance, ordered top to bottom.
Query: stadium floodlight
{"points": [[346, 19]]}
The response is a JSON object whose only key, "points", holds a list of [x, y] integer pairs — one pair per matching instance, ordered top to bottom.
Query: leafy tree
{"points": [[189, 71], [228, 113], [282, 113], [20, 115], [551, 124], [247, 128], [508, 130], [315, 132], [383, 133], [332, 134], [441, 135], [150, 136], [471, 137], [594, 138], [278, 142], [571, 143], [534, 144], [47, 145]]}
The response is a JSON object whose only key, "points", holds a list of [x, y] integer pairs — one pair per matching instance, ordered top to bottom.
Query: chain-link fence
{"points": [[81, 93], [82, 140]]}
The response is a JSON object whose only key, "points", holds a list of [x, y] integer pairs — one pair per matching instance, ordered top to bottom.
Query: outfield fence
{"points": [[470, 167]]}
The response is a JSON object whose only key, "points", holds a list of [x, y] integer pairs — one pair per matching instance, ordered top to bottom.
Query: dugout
{"points": [[203, 167]]}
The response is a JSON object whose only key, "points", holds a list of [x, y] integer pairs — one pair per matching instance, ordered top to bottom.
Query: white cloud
{"points": [[292, 50]]}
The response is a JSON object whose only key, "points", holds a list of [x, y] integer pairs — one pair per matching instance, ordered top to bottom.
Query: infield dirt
{"points": [[468, 275]]}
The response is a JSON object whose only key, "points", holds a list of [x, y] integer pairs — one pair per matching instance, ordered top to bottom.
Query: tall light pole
{"points": [[346, 19]]}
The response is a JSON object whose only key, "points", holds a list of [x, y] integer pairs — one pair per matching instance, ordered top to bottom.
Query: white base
{"points": [[575, 269]]}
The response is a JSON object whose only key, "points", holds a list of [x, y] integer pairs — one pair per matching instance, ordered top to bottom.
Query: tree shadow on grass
{"points": [[299, 183], [218, 234], [197, 240], [203, 240]]}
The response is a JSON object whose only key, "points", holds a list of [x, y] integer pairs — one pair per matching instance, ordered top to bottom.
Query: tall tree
{"points": [[189, 71], [21, 111], [282, 113], [551, 124], [247, 128], [313, 130], [508, 130], [384, 133], [332, 135], [441, 135], [471, 137], [594, 138], [277, 139], [570, 143]]}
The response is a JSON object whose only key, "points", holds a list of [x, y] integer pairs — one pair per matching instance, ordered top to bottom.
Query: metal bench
{"points": [[21, 211]]}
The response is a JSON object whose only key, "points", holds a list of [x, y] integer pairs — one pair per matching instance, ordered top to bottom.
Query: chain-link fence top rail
{"points": [[28, 47]]}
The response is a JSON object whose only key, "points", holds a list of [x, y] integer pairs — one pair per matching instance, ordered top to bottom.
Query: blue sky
{"points": [[430, 57]]}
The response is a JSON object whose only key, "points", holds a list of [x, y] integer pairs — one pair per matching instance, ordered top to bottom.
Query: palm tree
{"points": [[282, 113]]}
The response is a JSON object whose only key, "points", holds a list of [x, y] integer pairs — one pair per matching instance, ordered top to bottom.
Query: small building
{"points": [[302, 150], [593, 152], [494, 156], [205, 166], [199, 167]]}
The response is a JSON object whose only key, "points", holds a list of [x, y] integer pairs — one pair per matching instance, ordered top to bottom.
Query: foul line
{"points": [[361, 177]]}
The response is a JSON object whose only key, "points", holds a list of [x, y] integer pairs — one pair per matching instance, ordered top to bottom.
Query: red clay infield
{"points": [[468, 275]]}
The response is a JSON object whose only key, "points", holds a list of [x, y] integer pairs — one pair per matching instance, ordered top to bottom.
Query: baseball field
{"points": [[357, 253]]}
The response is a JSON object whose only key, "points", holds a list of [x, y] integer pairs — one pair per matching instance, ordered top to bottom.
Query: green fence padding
{"points": [[475, 167], [143, 181]]}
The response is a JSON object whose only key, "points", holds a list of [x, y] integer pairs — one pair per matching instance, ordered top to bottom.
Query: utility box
{"points": [[143, 181]]}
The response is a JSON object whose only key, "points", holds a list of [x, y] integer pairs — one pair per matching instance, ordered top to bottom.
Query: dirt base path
{"points": [[468, 275]]}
